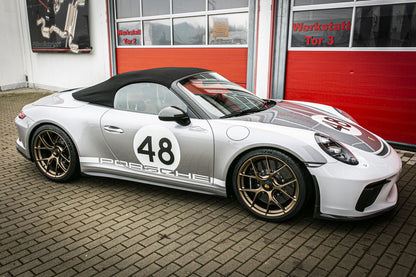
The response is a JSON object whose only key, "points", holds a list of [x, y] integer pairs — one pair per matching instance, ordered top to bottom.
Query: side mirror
{"points": [[174, 114]]}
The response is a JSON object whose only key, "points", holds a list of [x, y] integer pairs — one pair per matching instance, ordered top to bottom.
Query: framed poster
{"points": [[59, 26]]}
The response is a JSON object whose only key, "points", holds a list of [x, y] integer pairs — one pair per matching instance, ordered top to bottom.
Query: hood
{"points": [[301, 116]]}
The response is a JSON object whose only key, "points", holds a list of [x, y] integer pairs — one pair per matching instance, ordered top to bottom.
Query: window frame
{"points": [[347, 4], [171, 16]]}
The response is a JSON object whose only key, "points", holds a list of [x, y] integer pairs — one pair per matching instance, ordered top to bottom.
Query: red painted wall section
{"points": [[229, 62], [377, 88]]}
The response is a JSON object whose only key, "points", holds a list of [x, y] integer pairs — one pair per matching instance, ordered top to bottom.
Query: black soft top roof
{"points": [[103, 93]]}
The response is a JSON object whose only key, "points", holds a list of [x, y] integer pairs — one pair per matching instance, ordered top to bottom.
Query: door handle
{"points": [[113, 129]]}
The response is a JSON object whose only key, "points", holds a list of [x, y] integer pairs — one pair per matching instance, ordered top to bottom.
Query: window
{"points": [[315, 2], [229, 4], [185, 6], [155, 7], [128, 8], [181, 22], [329, 23], [385, 26], [322, 28], [228, 29], [189, 31], [157, 32], [129, 33], [220, 97], [147, 98]]}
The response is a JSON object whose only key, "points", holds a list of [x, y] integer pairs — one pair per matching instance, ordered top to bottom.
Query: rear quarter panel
{"points": [[82, 124]]}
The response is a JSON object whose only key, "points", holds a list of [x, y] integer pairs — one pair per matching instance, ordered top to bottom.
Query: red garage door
{"points": [[165, 33], [357, 56], [229, 62], [377, 88]]}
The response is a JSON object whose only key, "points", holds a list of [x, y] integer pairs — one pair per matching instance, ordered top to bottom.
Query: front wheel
{"points": [[54, 153], [269, 184]]}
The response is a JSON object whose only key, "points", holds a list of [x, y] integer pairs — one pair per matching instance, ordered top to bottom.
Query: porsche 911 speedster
{"points": [[192, 129]]}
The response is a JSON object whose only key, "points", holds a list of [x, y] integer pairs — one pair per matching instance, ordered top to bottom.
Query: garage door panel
{"points": [[229, 62]]}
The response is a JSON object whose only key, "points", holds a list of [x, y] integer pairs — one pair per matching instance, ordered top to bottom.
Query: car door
{"points": [[156, 151]]}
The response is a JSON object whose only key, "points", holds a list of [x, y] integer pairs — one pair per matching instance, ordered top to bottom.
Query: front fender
{"points": [[299, 143]]}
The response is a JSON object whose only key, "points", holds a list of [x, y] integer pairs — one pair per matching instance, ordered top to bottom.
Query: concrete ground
{"points": [[106, 227]]}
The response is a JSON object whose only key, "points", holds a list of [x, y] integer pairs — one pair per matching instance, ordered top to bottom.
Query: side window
{"points": [[147, 98]]}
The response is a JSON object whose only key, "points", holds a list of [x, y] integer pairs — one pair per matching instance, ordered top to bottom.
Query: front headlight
{"points": [[335, 149]]}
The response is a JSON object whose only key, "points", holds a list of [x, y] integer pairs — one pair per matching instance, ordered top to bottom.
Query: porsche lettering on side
{"points": [[192, 129]]}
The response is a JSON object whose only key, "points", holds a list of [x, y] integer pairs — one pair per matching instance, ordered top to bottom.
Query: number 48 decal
{"points": [[337, 124], [157, 146], [164, 154]]}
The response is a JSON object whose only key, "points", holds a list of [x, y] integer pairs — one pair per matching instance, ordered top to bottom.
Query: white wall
{"points": [[263, 48], [54, 71], [58, 71], [12, 73]]}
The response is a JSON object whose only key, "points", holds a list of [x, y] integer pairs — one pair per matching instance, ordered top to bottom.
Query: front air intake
{"points": [[369, 195]]}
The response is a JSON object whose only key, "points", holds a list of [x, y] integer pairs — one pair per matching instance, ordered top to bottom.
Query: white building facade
{"points": [[21, 67]]}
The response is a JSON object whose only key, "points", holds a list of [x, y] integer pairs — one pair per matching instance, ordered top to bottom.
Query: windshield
{"points": [[221, 98]]}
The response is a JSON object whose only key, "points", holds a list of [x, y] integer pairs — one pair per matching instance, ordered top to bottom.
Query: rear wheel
{"points": [[54, 153], [269, 184]]}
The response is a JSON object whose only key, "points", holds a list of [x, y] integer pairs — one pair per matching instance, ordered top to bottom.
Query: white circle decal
{"points": [[337, 124], [157, 146]]}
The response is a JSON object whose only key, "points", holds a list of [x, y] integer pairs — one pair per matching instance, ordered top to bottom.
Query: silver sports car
{"points": [[192, 129]]}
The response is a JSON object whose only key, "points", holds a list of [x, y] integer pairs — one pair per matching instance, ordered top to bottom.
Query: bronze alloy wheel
{"points": [[54, 153], [270, 185]]}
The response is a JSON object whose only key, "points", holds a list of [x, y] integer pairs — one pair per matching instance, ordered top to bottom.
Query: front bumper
{"points": [[357, 192], [319, 214]]}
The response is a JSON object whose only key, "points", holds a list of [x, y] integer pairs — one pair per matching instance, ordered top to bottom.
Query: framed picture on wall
{"points": [[59, 26]]}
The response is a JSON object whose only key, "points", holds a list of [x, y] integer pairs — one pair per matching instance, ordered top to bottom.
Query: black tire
{"points": [[54, 154], [269, 184]]}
